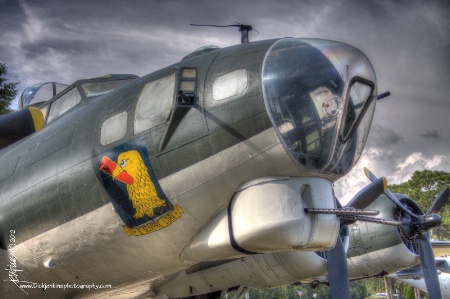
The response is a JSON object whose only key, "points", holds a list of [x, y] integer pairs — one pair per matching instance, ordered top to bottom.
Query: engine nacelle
{"points": [[19, 124], [376, 249]]}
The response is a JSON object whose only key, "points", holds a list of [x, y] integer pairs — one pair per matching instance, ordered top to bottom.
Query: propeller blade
{"points": [[368, 194], [389, 194], [440, 200], [442, 265], [429, 270], [338, 271]]}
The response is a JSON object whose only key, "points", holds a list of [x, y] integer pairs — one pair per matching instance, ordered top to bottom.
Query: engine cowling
{"points": [[376, 249]]}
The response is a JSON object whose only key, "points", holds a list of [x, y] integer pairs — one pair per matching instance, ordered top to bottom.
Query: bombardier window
{"points": [[321, 116]]}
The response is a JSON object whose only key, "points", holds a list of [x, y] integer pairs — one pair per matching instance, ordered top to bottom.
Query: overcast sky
{"points": [[408, 42]]}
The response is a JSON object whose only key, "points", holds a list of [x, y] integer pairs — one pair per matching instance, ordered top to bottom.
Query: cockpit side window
{"points": [[154, 103], [63, 104]]}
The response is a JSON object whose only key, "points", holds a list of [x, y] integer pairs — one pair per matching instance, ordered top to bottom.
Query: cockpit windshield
{"points": [[95, 89], [83, 91], [40, 93], [317, 104]]}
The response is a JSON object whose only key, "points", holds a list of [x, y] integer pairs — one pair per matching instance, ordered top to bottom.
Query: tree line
{"points": [[8, 90]]}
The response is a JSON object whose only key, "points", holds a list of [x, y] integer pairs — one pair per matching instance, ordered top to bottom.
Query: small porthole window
{"points": [[230, 84], [114, 128]]}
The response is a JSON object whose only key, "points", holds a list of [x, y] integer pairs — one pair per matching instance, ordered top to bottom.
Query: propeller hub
{"points": [[427, 222], [409, 224], [407, 228]]}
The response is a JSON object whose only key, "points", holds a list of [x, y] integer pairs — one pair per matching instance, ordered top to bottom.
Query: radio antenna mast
{"points": [[244, 29]]}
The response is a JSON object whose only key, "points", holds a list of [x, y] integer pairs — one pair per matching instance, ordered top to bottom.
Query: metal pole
{"points": [[244, 35], [388, 289], [239, 290], [223, 294]]}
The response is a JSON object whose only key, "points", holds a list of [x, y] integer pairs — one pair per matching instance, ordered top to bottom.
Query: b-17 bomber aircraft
{"points": [[213, 174]]}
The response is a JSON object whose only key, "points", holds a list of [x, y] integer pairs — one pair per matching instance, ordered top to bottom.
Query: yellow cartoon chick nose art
{"points": [[142, 191], [135, 192]]}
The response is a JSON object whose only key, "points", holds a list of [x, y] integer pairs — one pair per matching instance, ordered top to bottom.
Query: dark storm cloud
{"points": [[11, 14], [407, 42], [414, 65], [433, 134], [383, 137]]}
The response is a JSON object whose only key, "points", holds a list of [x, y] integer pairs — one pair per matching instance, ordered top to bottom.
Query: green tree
{"points": [[8, 90], [423, 187], [375, 285], [358, 290], [410, 293]]}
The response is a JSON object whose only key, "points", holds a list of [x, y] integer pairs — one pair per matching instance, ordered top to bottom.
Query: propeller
{"points": [[415, 227], [337, 257], [338, 271]]}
